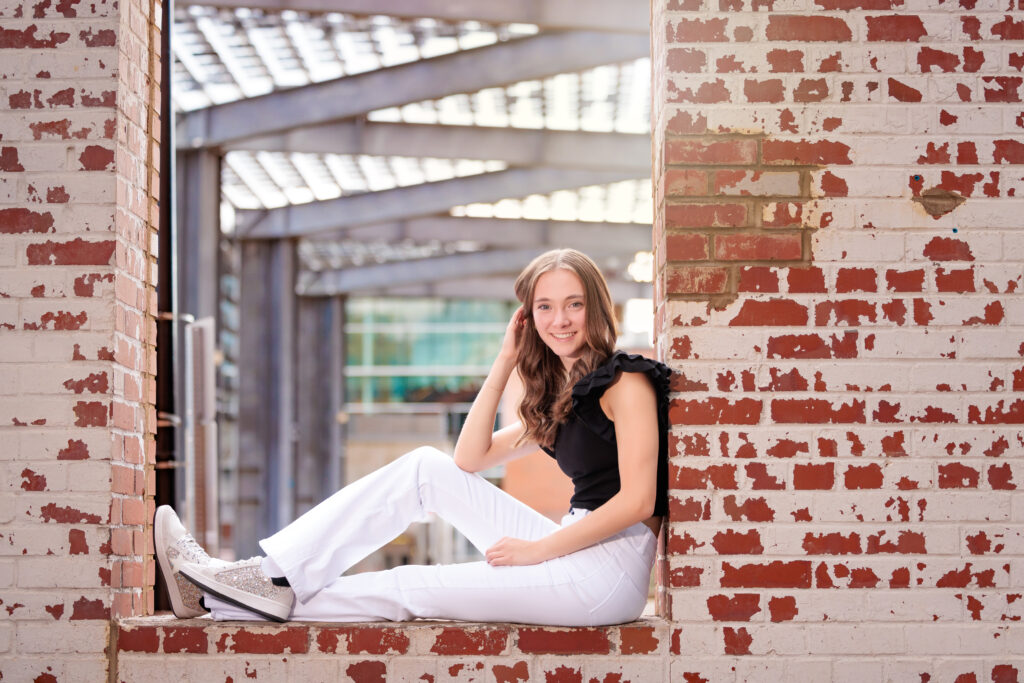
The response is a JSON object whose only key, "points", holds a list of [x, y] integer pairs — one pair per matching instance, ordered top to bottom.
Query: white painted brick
{"points": [[859, 119], [1011, 121], [863, 181], [990, 213], [870, 247], [8, 253], [99, 313], [9, 316], [709, 343], [905, 343], [991, 344], [60, 346], [840, 376], [62, 379], [55, 411], [48, 444], [19, 476], [89, 476], [862, 505], [8, 506], [982, 506], [59, 572], [6, 636], [83, 636], [875, 639], [943, 639], [700, 640], [23, 667], [310, 668], [630, 668], [752, 668], [166, 669], [411, 669], [712, 669], [907, 669], [856, 670]]}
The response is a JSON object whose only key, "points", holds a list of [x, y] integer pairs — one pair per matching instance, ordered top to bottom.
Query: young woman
{"points": [[602, 414]]}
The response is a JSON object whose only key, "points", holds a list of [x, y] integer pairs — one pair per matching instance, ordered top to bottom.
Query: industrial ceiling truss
{"points": [[422, 147]]}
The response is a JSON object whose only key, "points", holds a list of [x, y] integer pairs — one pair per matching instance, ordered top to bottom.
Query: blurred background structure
{"points": [[357, 184]]}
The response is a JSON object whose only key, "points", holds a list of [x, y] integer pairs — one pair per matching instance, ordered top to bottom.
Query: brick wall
{"points": [[79, 121], [840, 247]]}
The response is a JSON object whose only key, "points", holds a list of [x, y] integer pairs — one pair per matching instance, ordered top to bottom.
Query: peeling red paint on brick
{"points": [[807, 29], [31, 37], [96, 158], [9, 162], [19, 220], [76, 252], [90, 414], [75, 450], [32, 481], [51, 512], [77, 543], [738, 607], [84, 608], [138, 639], [190, 639], [253, 640], [463, 641], [561, 641], [737, 641], [369, 671], [518, 672]]}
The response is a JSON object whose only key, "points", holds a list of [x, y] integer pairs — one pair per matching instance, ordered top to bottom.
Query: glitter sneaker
{"points": [[174, 547], [243, 584]]}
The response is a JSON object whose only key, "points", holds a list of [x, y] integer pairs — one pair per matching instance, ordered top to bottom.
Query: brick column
{"points": [[79, 136], [839, 245]]}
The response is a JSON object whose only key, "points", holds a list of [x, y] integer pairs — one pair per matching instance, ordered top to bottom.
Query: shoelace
{"points": [[190, 547]]}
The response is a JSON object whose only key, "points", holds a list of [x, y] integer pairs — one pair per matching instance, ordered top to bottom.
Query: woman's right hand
{"points": [[510, 344]]}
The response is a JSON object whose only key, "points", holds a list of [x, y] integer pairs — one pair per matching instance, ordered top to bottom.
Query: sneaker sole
{"points": [[215, 591], [177, 603]]}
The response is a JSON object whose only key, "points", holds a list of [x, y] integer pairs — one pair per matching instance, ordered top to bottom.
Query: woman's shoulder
{"points": [[594, 384]]}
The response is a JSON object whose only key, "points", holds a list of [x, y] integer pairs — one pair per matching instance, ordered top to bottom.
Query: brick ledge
{"points": [[165, 634]]}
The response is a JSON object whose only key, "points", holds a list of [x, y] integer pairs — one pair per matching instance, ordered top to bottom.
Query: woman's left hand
{"points": [[514, 551]]}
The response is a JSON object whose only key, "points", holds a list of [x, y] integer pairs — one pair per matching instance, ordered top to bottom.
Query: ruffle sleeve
{"points": [[590, 388]]}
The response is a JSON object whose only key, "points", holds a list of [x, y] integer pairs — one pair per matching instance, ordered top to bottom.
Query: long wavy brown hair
{"points": [[547, 387]]}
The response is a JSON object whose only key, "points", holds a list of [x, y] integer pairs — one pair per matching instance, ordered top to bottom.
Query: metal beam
{"points": [[622, 16], [539, 56], [515, 146], [415, 200], [507, 233], [414, 272], [491, 288], [266, 392], [319, 397]]}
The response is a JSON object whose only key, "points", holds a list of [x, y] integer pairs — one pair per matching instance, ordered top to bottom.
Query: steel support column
{"points": [[266, 394], [319, 398]]}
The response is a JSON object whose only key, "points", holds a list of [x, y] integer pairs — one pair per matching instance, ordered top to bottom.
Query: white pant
{"points": [[604, 584]]}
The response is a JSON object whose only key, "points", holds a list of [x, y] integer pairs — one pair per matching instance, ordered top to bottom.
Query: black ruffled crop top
{"points": [[585, 446]]}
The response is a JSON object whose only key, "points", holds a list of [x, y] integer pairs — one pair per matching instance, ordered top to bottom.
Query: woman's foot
{"points": [[174, 547], [243, 584]]}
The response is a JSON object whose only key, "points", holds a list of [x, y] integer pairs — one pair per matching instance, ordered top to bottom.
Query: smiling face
{"points": [[560, 314]]}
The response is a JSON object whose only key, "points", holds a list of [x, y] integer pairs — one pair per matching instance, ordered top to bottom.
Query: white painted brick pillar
{"points": [[79, 159], [839, 231]]}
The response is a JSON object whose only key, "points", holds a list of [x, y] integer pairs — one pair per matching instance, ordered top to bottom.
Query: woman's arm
{"points": [[631, 404], [478, 446]]}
